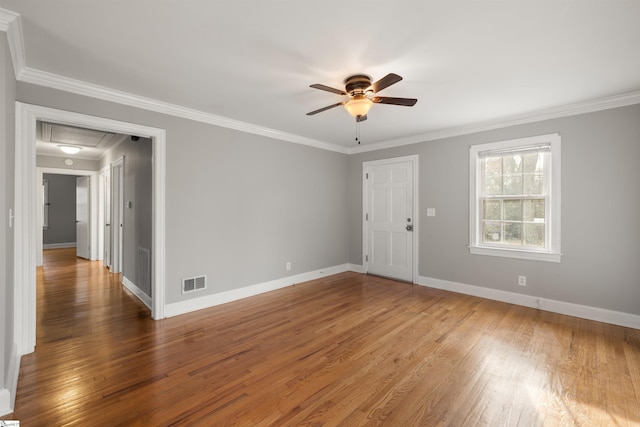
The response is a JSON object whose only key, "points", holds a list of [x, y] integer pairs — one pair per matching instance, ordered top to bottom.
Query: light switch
{"points": [[431, 211]]}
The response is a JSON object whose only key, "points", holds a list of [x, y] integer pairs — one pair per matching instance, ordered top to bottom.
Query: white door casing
{"points": [[117, 214], [28, 217], [390, 218], [83, 246]]}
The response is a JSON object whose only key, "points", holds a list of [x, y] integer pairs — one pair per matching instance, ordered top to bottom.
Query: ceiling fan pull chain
{"points": [[358, 132]]}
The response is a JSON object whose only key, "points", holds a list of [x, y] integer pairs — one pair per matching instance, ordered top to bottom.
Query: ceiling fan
{"points": [[362, 95]]}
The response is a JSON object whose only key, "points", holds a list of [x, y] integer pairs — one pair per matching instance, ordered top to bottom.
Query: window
{"points": [[515, 198]]}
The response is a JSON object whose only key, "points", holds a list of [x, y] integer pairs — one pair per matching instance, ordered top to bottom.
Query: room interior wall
{"points": [[138, 190], [600, 204], [238, 206], [62, 209], [8, 351]]}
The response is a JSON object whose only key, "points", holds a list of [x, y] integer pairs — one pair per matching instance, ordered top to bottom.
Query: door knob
{"points": [[409, 227]]}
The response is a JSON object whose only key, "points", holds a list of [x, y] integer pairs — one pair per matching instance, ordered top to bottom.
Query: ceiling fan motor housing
{"points": [[357, 84]]}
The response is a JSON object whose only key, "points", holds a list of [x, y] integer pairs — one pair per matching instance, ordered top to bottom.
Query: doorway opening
{"points": [[27, 206]]}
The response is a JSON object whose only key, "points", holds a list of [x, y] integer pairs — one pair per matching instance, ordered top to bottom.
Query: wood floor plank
{"points": [[348, 349]]}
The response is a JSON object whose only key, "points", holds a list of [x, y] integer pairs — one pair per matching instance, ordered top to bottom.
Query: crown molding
{"points": [[11, 24], [55, 81], [591, 106]]}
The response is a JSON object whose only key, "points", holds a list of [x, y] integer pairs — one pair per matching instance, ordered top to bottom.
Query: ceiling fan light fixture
{"points": [[358, 106], [69, 149]]}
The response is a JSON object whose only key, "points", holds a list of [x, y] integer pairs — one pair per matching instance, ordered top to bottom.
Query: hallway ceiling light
{"points": [[70, 149]]}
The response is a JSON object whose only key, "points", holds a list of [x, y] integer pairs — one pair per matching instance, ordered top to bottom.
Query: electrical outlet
{"points": [[288, 266], [522, 280]]}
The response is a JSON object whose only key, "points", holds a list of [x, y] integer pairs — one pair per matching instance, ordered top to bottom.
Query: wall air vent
{"points": [[194, 284]]}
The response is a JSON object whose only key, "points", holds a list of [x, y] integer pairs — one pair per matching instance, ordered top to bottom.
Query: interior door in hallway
{"points": [[389, 218], [83, 249]]}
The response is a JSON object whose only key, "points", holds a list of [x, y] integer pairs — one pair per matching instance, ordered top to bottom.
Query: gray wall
{"points": [[7, 181], [138, 189], [600, 204], [238, 206], [62, 209]]}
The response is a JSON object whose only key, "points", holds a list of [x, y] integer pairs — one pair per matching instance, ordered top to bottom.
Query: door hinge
{"points": [[366, 175], [366, 216], [366, 258]]}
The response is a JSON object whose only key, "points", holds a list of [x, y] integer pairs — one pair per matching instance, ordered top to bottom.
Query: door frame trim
{"points": [[414, 159], [93, 203], [117, 216], [25, 259]]}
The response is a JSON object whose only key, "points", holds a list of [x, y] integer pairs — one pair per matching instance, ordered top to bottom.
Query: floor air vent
{"points": [[194, 284]]}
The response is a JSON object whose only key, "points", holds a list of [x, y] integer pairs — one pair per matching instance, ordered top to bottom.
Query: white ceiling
{"points": [[467, 62], [92, 143]]}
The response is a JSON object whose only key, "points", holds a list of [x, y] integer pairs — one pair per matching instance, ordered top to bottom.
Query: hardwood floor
{"points": [[349, 349]]}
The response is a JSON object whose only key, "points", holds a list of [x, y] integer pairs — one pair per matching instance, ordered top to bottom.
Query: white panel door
{"points": [[82, 217], [389, 219]]}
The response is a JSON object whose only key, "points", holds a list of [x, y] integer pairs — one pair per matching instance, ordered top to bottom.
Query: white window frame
{"points": [[551, 252]]}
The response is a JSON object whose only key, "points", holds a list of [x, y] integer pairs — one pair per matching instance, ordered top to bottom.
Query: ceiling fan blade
{"points": [[385, 82], [328, 89], [407, 102], [325, 109], [361, 118]]}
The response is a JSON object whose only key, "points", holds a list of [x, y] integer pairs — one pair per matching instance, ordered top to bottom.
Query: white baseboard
{"points": [[59, 245], [356, 268], [146, 299], [207, 301], [561, 307], [8, 394], [5, 402]]}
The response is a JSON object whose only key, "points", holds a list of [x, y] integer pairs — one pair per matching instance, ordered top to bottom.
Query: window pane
{"points": [[533, 163], [512, 164], [493, 166], [533, 183], [513, 184], [493, 185], [492, 210], [513, 210], [533, 210], [491, 232], [513, 234], [534, 235]]}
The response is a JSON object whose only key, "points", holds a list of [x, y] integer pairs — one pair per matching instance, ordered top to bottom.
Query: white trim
{"points": [[11, 23], [54, 81], [600, 104], [415, 161], [93, 203], [59, 245], [518, 254], [25, 259], [355, 268], [135, 290], [207, 301], [576, 310], [8, 394], [5, 402]]}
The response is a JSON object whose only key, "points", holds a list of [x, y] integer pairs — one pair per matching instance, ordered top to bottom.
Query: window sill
{"points": [[515, 253]]}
